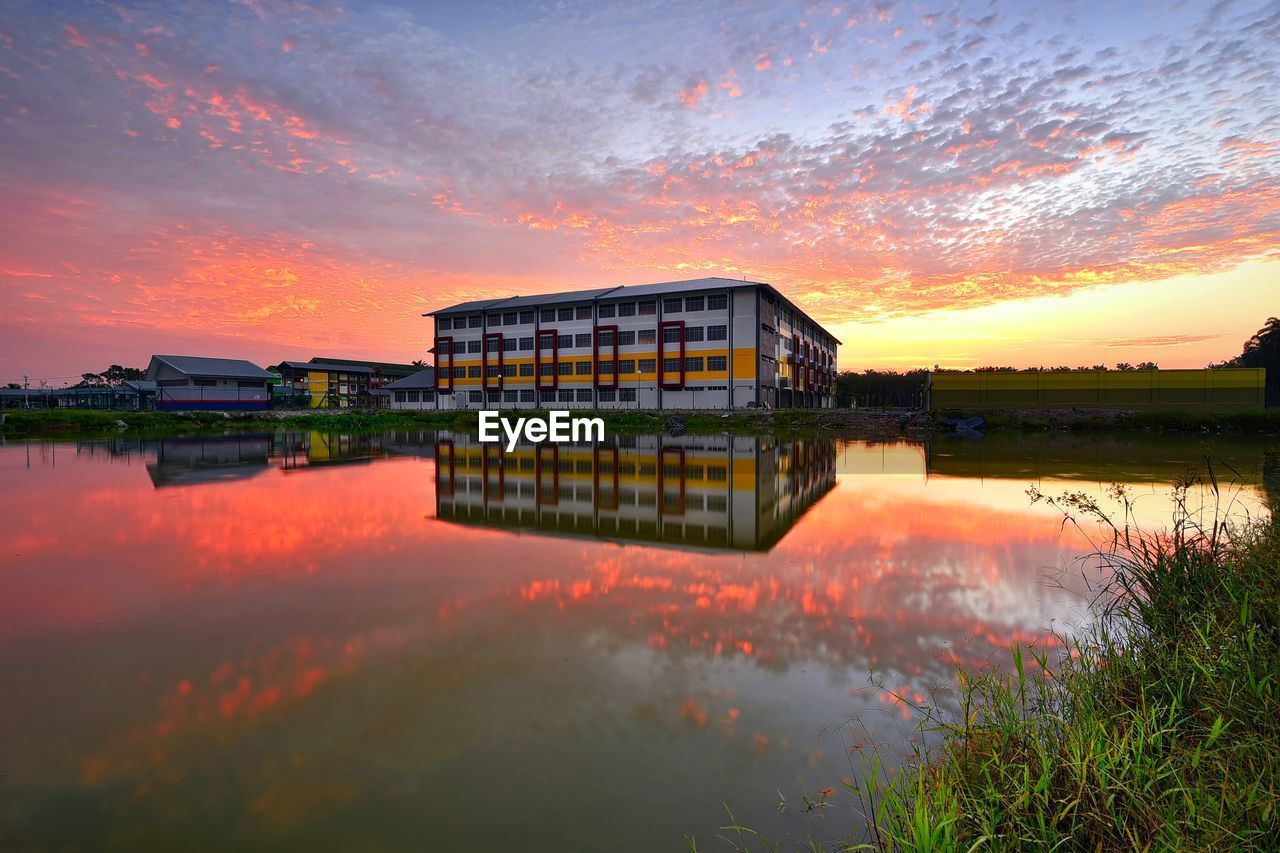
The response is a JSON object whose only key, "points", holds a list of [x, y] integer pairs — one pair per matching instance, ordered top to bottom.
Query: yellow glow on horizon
{"points": [[1187, 321]]}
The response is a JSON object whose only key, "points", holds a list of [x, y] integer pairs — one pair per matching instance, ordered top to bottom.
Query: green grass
{"points": [[1159, 730]]}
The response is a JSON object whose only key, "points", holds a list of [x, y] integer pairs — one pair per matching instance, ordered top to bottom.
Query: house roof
{"points": [[384, 366], [229, 368], [421, 379]]}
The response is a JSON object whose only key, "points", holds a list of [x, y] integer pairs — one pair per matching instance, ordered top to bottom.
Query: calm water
{"points": [[302, 640]]}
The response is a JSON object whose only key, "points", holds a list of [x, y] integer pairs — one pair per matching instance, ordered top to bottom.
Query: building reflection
{"points": [[720, 492]]}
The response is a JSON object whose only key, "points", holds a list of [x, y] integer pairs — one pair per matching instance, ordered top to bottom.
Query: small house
{"points": [[191, 383]]}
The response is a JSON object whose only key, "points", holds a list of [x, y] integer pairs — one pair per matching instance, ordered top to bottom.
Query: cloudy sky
{"points": [[951, 183]]}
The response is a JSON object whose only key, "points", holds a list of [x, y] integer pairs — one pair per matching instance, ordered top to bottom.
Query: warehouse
{"points": [[709, 343]]}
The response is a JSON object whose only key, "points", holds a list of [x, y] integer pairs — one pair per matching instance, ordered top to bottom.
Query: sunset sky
{"points": [[936, 182]]}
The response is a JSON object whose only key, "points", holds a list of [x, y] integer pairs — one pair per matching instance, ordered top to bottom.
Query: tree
{"points": [[1262, 350], [418, 363], [1148, 365], [112, 376]]}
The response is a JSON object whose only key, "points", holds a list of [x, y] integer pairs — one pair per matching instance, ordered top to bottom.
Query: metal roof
{"points": [[632, 291], [325, 366], [384, 366], [230, 368], [421, 379]]}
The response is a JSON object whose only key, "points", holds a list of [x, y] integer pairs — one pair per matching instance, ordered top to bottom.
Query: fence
{"points": [[1225, 389]]}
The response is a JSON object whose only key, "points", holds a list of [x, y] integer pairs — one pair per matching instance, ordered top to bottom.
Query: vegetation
{"points": [[1262, 350]]}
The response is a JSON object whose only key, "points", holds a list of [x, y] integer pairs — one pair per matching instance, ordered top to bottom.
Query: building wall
{"points": [[721, 351], [1205, 390], [415, 400]]}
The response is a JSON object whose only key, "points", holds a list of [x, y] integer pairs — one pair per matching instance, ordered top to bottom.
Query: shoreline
{"points": [[81, 423]]}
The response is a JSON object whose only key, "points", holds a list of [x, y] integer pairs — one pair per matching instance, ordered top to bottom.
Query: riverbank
{"points": [[864, 423], [1159, 729]]}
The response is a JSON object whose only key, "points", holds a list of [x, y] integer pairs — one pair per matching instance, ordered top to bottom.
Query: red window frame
{"points": [[662, 355], [595, 356], [555, 360], [484, 361], [448, 372], [440, 445], [613, 451], [502, 474], [555, 474], [662, 481]]}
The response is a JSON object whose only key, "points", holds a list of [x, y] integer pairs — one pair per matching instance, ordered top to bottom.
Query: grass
{"points": [[1156, 728], [1160, 729]]}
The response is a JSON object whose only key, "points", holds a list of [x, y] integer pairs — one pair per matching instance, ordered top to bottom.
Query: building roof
{"points": [[631, 291], [384, 366], [330, 367], [229, 368], [421, 379]]}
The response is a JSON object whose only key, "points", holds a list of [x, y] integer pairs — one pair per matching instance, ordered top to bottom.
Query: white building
{"points": [[710, 343], [414, 392]]}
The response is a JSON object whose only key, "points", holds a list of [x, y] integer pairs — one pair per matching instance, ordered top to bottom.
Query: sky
{"points": [[937, 183]]}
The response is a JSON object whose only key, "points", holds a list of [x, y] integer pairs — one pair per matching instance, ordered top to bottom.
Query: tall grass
{"points": [[1158, 728]]}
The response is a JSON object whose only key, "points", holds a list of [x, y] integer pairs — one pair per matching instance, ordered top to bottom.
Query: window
{"points": [[717, 302], [693, 303], [671, 306], [648, 308], [626, 309], [607, 311], [584, 312], [564, 314], [548, 315], [526, 317], [510, 318], [495, 320], [473, 322], [443, 324], [717, 333], [671, 334], [693, 334], [647, 336], [605, 338], [627, 338], [547, 339], [582, 340], [564, 341], [509, 344], [526, 344], [491, 345], [473, 346], [459, 347], [717, 362], [693, 364], [626, 365], [648, 365], [671, 365], [565, 368], [582, 368], [606, 368], [526, 369], [546, 369], [508, 370], [492, 371], [473, 372], [459, 373], [251, 383], [527, 395], [584, 395], [608, 395], [627, 395], [400, 396], [412, 396], [428, 396], [475, 396], [510, 396], [547, 396], [566, 396], [494, 397], [717, 473]]}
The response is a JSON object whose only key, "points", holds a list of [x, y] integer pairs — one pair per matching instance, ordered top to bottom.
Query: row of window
{"points": [[605, 310], [582, 340], [625, 366], [564, 395], [415, 396]]}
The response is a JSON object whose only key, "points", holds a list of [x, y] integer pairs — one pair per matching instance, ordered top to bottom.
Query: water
{"points": [[302, 640]]}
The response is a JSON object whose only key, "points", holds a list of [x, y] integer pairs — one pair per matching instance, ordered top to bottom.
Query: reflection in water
{"points": [[199, 642]]}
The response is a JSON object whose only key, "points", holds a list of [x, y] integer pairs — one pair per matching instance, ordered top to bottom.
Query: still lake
{"points": [[396, 641]]}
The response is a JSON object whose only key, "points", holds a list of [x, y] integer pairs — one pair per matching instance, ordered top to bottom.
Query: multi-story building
{"points": [[709, 343], [715, 491]]}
